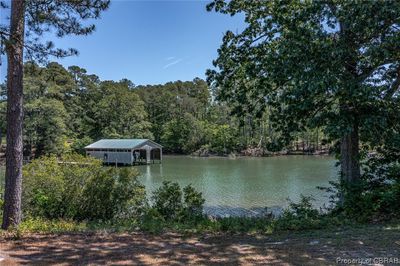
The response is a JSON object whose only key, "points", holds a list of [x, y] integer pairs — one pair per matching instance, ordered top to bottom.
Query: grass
{"points": [[39, 225], [232, 225]]}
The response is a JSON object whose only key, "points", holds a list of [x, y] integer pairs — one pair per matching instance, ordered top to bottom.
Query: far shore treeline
{"points": [[67, 109]]}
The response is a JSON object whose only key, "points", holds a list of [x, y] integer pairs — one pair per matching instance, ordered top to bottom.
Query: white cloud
{"points": [[170, 58], [173, 63]]}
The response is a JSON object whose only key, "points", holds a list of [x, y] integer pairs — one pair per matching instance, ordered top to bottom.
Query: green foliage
{"points": [[54, 17], [313, 64], [318, 65], [174, 100], [62, 105], [65, 106], [120, 112], [46, 117], [45, 126], [183, 134], [186, 134], [222, 138], [78, 146], [80, 188], [43, 189], [113, 194], [377, 195], [168, 200], [193, 202], [173, 204], [1, 205], [303, 209], [300, 216], [188, 218], [152, 221], [41, 225]]}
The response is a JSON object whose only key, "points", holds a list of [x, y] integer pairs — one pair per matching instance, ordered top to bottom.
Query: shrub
{"points": [[80, 188], [44, 189], [113, 194], [376, 196], [168, 202], [193, 202], [303, 209], [299, 216], [152, 221]]}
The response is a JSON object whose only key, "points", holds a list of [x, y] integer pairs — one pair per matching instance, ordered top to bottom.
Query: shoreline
{"points": [[230, 156], [237, 156], [254, 212]]}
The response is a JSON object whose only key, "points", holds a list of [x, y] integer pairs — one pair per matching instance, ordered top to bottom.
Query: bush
{"points": [[80, 188], [44, 189], [113, 194], [376, 196], [168, 202], [193, 202], [303, 209], [299, 216], [152, 221]]}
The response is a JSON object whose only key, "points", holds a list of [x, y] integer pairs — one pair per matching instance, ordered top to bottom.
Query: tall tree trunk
{"points": [[14, 150], [350, 158]]}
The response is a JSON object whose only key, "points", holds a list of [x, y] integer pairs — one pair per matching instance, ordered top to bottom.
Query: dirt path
{"points": [[311, 248]]}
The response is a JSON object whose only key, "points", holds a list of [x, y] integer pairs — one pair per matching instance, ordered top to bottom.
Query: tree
{"points": [[28, 22], [329, 64], [47, 91], [166, 102], [81, 103], [3, 108], [120, 112], [44, 126], [183, 134]]}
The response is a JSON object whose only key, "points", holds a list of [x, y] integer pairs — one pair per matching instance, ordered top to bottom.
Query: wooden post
{"points": [[148, 159]]}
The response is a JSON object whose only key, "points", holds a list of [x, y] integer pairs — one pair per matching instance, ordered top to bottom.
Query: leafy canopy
{"points": [[59, 17], [316, 63]]}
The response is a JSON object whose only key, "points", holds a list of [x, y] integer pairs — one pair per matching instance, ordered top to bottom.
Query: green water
{"points": [[246, 182], [244, 185]]}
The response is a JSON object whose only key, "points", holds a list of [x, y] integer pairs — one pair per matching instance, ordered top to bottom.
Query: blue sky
{"points": [[150, 42]]}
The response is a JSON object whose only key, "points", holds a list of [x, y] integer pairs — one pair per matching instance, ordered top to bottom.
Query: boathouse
{"points": [[125, 151]]}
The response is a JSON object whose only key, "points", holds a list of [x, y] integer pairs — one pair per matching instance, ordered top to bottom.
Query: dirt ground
{"points": [[307, 248]]}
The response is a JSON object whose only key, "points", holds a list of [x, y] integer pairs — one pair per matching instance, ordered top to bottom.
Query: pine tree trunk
{"points": [[14, 150], [349, 157]]}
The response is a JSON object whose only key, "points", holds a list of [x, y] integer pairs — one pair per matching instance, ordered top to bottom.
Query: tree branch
{"points": [[395, 86]]}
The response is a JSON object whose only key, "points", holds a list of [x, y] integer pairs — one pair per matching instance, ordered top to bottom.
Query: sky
{"points": [[149, 42]]}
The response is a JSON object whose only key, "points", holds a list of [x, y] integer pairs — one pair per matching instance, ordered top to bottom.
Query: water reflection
{"points": [[245, 183]]}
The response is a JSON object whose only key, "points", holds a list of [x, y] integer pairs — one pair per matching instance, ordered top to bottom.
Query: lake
{"points": [[244, 183]]}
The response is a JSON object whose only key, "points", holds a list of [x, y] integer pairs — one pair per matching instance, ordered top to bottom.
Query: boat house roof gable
{"points": [[122, 144]]}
